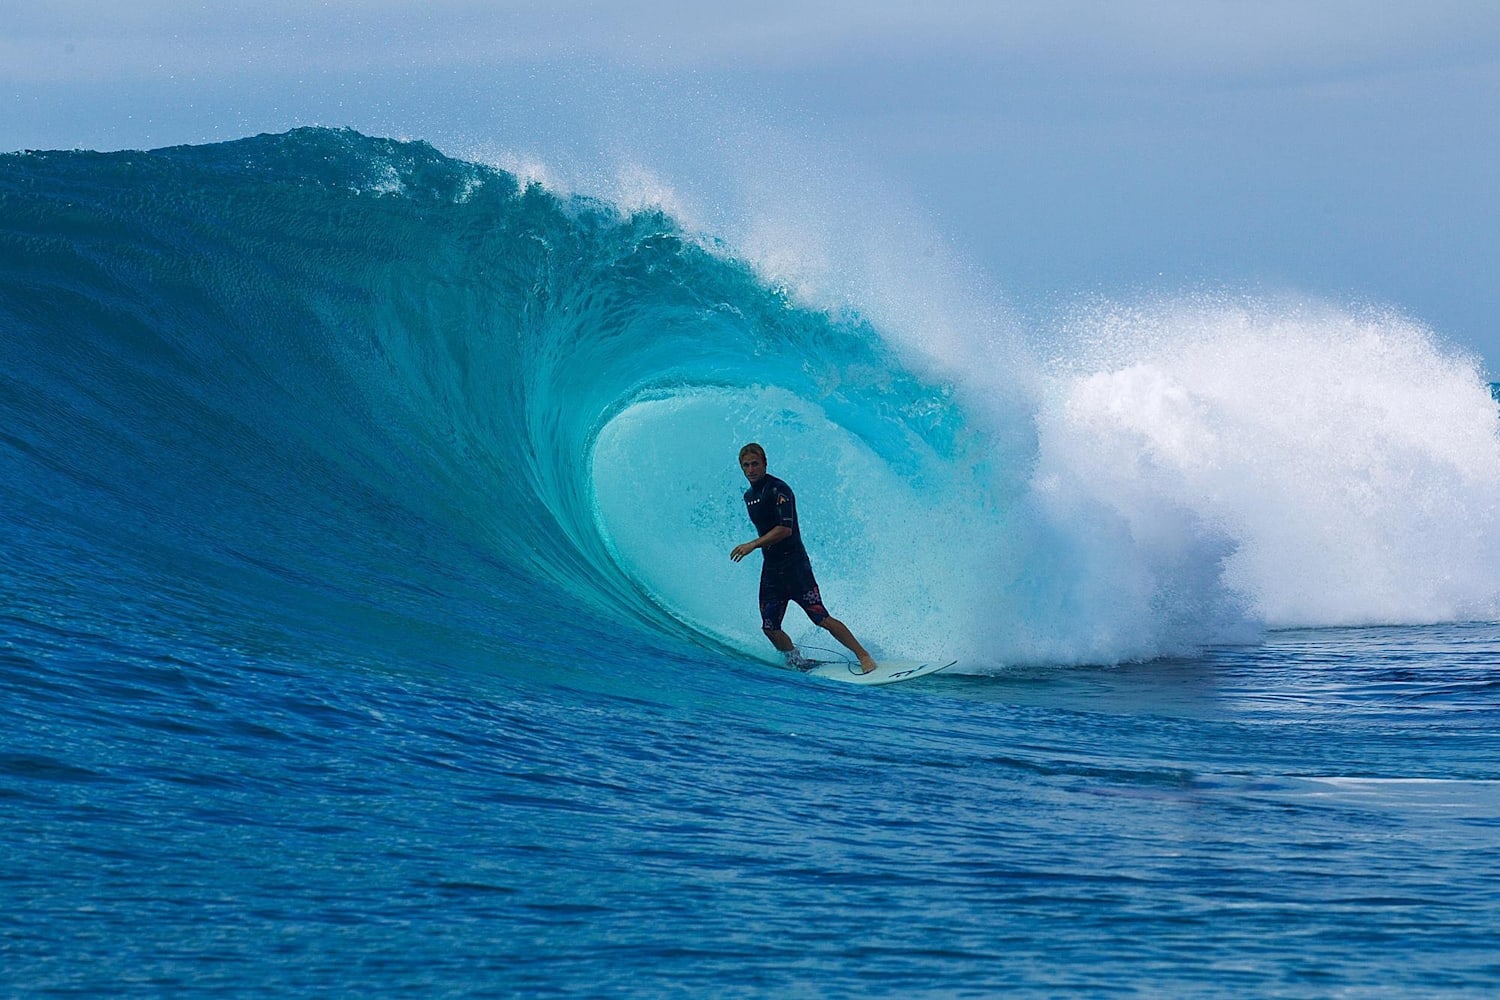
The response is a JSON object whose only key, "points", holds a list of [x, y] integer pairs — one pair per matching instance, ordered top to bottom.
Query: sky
{"points": [[1061, 151]]}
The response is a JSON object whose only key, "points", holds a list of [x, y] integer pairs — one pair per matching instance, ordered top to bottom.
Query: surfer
{"points": [[786, 572]]}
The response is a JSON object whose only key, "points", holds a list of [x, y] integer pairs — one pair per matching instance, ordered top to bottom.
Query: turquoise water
{"points": [[366, 621]]}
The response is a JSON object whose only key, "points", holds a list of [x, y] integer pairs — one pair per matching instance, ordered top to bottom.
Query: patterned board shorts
{"points": [[782, 584]]}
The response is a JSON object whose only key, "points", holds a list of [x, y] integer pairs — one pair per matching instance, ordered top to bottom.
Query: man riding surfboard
{"points": [[786, 572]]}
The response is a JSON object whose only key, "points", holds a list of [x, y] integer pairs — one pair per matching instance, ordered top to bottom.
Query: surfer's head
{"points": [[753, 461]]}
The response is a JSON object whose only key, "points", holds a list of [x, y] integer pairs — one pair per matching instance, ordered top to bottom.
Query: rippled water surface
{"points": [[1317, 814]]}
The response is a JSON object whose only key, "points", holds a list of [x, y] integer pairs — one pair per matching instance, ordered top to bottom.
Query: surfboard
{"points": [[885, 672]]}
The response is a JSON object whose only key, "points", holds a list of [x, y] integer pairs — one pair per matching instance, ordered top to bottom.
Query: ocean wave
{"points": [[321, 381]]}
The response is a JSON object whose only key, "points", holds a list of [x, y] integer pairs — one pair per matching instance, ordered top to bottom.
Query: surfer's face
{"points": [[753, 466]]}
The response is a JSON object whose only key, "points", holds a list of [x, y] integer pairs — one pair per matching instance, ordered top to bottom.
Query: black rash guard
{"points": [[771, 502]]}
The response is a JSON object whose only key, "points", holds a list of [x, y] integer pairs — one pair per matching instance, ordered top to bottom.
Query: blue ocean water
{"points": [[366, 621]]}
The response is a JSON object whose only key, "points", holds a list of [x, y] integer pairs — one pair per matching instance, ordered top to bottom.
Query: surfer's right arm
{"points": [[771, 537]]}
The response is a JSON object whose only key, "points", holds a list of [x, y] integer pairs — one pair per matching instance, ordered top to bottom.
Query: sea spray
{"points": [[1342, 466]]}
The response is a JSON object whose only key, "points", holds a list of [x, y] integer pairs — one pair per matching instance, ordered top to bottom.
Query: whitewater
{"points": [[367, 622]]}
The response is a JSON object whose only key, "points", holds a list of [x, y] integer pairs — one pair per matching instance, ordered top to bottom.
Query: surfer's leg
{"points": [[810, 600], [773, 602], [771, 613], [841, 632], [779, 639]]}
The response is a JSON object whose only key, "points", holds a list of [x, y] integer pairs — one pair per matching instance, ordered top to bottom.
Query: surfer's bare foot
{"points": [[866, 664]]}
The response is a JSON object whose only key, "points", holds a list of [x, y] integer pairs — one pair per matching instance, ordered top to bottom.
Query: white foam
{"points": [[1340, 468]]}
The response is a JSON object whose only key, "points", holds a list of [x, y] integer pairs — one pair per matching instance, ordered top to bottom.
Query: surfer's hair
{"points": [[752, 449]]}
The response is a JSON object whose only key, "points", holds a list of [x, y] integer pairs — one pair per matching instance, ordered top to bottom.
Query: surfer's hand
{"points": [[741, 551]]}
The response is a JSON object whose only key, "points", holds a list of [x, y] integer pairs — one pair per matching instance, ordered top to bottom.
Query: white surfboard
{"points": [[885, 672]]}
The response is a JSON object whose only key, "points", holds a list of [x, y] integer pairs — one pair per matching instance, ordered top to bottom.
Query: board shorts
{"points": [[782, 583]]}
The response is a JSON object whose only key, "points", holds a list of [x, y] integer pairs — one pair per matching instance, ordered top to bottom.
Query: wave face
{"points": [[315, 386]]}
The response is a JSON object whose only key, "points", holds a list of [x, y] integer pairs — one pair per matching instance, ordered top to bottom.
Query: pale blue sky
{"points": [[1067, 149]]}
